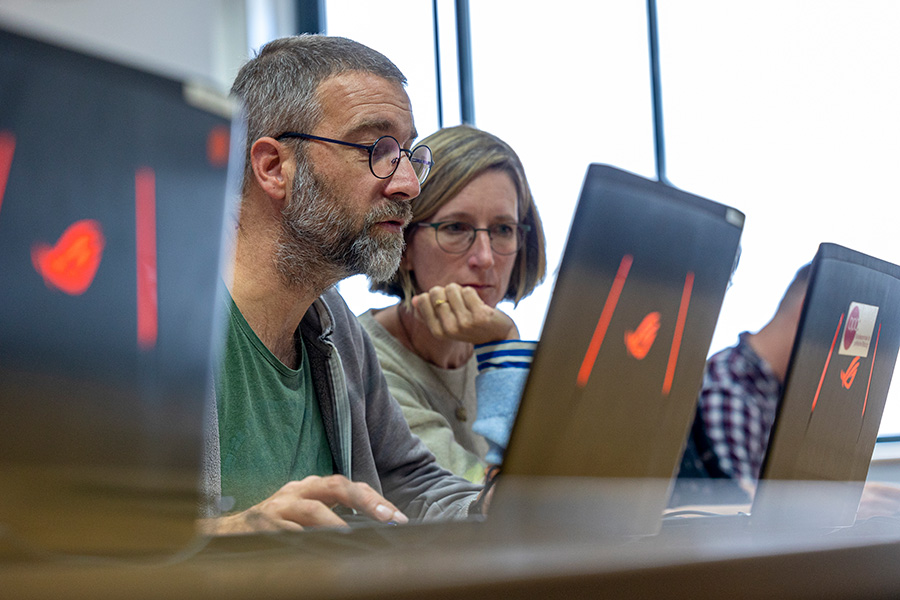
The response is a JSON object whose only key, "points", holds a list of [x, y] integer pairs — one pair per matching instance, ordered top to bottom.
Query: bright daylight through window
{"points": [[783, 109]]}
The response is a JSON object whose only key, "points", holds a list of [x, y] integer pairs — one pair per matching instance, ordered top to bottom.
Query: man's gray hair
{"points": [[278, 86]]}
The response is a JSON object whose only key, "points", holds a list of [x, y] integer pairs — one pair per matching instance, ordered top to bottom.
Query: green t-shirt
{"points": [[270, 425]]}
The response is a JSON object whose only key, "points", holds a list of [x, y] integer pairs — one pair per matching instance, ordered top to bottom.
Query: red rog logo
{"points": [[71, 264], [639, 341], [849, 375]]}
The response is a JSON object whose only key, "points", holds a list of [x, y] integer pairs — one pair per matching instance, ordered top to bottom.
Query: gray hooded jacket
{"points": [[369, 438]]}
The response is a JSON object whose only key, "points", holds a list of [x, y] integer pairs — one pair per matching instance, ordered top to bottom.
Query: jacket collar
{"points": [[317, 325]]}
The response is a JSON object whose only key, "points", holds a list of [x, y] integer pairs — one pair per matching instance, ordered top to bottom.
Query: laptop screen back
{"points": [[112, 205], [615, 378], [836, 385]]}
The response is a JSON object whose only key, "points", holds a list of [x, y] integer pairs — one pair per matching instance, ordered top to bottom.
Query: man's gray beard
{"points": [[319, 244]]}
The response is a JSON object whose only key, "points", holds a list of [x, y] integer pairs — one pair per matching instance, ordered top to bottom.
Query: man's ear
{"points": [[271, 162]]}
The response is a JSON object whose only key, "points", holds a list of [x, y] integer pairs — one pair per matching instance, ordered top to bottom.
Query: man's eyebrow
{"points": [[372, 125], [380, 127]]}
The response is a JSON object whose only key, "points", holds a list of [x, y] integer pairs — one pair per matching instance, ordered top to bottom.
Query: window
{"points": [[781, 108], [787, 111]]}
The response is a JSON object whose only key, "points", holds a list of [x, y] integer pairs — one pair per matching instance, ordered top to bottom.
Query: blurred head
{"points": [[468, 160]]}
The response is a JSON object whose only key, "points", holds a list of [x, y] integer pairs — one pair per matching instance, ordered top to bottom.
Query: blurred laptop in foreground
{"points": [[113, 191]]}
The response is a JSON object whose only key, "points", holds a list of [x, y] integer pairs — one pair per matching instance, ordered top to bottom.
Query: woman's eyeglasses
{"points": [[456, 237]]}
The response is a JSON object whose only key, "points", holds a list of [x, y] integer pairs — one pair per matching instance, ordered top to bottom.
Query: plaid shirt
{"points": [[737, 404]]}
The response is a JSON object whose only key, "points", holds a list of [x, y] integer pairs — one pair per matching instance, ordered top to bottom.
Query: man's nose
{"points": [[404, 180]]}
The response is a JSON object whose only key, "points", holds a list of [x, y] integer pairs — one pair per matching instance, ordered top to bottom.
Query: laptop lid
{"points": [[113, 186], [616, 375], [835, 391]]}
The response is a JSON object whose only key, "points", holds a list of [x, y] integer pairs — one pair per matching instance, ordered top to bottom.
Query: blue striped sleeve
{"points": [[506, 354]]}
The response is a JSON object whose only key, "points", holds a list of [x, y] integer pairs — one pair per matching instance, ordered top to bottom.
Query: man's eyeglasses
{"points": [[384, 154], [456, 237]]}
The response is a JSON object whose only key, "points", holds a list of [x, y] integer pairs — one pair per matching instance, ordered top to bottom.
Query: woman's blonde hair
{"points": [[461, 154]]}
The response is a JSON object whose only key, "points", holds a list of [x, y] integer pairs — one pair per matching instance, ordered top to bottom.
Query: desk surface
{"points": [[516, 556], [476, 560]]}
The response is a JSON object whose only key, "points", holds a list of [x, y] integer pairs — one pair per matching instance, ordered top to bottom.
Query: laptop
{"points": [[113, 192], [615, 378], [835, 390]]}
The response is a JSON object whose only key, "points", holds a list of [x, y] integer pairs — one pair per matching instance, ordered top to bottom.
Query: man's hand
{"points": [[458, 313], [306, 503]]}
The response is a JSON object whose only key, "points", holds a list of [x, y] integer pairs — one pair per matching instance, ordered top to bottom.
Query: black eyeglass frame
{"points": [[370, 148], [522, 230]]}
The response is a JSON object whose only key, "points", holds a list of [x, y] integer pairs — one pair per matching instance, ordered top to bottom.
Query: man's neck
{"points": [[272, 307], [775, 341], [773, 344]]}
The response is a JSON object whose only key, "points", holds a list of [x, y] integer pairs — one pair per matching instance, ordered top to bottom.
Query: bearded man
{"points": [[303, 418]]}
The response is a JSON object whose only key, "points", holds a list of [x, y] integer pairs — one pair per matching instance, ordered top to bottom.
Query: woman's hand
{"points": [[458, 313]]}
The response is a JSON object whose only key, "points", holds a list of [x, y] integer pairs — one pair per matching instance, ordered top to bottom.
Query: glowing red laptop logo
{"points": [[70, 265], [639, 341], [848, 375]]}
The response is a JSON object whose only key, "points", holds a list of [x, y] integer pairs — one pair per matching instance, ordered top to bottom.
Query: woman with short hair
{"points": [[447, 352]]}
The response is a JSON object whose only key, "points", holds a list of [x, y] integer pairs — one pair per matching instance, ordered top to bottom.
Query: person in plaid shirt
{"points": [[742, 387], [741, 390]]}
